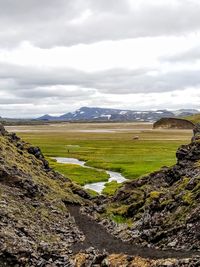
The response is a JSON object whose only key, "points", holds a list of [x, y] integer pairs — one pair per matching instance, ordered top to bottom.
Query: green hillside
{"points": [[193, 118]]}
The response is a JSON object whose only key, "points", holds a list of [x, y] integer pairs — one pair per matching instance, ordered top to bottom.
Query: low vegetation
{"points": [[106, 146], [111, 188]]}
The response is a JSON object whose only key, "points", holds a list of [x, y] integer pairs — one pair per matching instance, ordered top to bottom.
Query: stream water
{"points": [[99, 186]]}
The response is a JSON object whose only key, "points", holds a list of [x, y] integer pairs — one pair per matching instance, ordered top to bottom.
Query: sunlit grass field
{"points": [[106, 146], [79, 174]]}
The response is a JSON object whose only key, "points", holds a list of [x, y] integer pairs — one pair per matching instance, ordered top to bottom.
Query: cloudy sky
{"points": [[57, 56]]}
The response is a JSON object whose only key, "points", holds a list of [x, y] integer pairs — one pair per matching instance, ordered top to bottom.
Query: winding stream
{"points": [[99, 186]]}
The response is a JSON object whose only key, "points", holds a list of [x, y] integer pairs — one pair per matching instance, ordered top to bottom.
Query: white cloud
{"points": [[134, 54], [189, 98]]}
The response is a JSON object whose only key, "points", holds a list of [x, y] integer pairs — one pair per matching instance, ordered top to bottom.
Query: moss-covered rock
{"points": [[161, 203], [34, 220]]}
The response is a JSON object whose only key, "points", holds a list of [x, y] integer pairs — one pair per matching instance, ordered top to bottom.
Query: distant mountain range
{"points": [[108, 114]]}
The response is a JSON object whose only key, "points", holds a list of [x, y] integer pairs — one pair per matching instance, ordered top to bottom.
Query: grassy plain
{"points": [[107, 146]]}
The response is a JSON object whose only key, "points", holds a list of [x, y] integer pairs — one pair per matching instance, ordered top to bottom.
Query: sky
{"points": [[57, 56]]}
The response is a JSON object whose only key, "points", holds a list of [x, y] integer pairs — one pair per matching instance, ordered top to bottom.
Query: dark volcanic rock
{"points": [[2, 130], [36, 151], [189, 152], [164, 205], [35, 226], [92, 257]]}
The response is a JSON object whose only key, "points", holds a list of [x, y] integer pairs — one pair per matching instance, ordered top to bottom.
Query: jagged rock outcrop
{"points": [[163, 207], [36, 228]]}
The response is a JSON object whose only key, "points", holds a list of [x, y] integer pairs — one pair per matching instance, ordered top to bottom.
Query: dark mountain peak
{"points": [[110, 114], [45, 117]]}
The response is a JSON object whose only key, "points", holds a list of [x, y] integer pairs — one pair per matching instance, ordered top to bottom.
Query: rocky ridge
{"points": [[161, 210], [36, 228]]}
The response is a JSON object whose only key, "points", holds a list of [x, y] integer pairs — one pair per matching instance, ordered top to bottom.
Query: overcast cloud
{"points": [[56, 23], [133, 54]]}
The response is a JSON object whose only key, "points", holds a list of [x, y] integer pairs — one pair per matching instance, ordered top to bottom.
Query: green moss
{"points": [[29, 165], [182, 184], [111, 188], [196, 190], [92, 192], [155, 194], [188, 198], [167, 202], [118, 209], [44, 213], [117, 213], [121, 220]]}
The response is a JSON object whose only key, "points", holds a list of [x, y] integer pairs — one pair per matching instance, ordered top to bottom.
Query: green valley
{"points": [[109, 146]]}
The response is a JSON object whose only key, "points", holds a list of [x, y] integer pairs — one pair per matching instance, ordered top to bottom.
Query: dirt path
{"points": [[99, 238]]}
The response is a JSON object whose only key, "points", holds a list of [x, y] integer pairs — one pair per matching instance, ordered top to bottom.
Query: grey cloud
{"points": [[49, 23], [188, 56], [31, 77], [20, 78], [129, 82], [36, 83], [55, 93], [8, 101]]}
